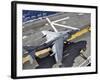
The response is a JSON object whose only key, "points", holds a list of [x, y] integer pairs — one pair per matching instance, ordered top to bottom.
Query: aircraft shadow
{"points": [[71, 51]]}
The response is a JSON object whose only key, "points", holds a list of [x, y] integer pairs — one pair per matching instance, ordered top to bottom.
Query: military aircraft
{"points": [[56, 39]]}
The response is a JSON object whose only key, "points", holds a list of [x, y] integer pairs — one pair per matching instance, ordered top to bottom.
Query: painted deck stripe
{"points": [[61, 19]]}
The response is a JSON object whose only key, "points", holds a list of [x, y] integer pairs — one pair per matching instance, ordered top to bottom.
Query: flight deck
{"points": [[32, 36]]}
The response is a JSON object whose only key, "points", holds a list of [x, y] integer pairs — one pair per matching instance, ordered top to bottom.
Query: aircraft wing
{"points": [[50, 36], [58, 49]]}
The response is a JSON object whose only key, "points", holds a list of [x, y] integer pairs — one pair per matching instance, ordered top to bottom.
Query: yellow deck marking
{"points": [[79, 33]]}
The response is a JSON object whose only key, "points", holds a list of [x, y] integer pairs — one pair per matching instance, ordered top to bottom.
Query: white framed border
{"points": [[54, 71]]}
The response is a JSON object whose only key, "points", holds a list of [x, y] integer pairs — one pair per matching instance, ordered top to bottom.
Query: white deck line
{"points": [[61, 19], [51, 24], [65, 26], [25, 37], [85, 61]]}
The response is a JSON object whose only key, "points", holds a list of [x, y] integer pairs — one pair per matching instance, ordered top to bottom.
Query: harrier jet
{"points": [[56, 39]]}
